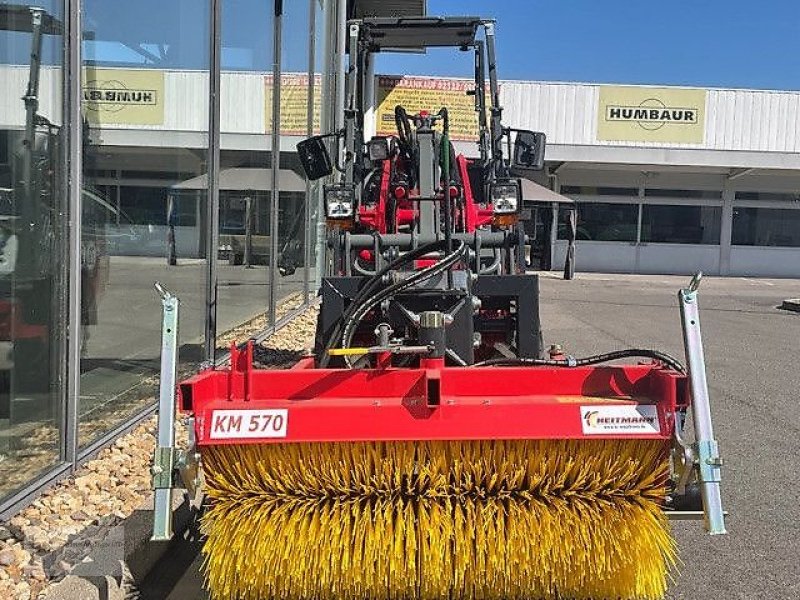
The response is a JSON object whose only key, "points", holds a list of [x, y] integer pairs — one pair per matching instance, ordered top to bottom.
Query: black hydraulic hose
{"points": [[403, 130], [445, 150], [448, 201], [440, 267], [373, 283], [668, 360]]}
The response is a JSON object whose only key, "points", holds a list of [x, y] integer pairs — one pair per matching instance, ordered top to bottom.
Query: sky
{"points": [[714, 43]]}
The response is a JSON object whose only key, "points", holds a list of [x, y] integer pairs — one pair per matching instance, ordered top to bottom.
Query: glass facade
{"points": [[146, 203], [603, 222], [660, 223], [680, 224], [292, 225], [766, 227], [141, 229], [32, 242]]}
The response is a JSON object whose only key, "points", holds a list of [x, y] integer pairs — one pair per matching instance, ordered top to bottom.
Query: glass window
{"points": [[247, 41], [572, 190], [669, 193], [768, 196], [144, 205], [604, 222], [681, 224], [766, 227], [141, 230], [292, 230], [32, 245]]}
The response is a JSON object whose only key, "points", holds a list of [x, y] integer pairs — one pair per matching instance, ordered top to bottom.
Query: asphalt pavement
{"points": [[125, 343], [751, 351]]}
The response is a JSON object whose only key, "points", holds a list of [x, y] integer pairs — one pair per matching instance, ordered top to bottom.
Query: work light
{"points": [[378, 148], [506, 196], [339, 201]]}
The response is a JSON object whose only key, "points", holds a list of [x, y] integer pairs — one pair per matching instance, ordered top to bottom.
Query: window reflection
{"points": [[604, 222], [138, 228], [32, 249]]}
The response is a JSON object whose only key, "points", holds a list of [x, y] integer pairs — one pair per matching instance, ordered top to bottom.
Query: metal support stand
{"points": [[248, 232], [706, 450], [163, 461]]}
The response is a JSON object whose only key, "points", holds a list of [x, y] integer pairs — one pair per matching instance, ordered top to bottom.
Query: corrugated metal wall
{"points": [[735, 119]]}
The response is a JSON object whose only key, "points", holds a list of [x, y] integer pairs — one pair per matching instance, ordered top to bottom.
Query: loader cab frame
{"points": [[352, 153]]}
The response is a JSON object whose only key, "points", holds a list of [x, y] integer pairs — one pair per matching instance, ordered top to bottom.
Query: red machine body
{"points": [[397, 200], [243, 404]]}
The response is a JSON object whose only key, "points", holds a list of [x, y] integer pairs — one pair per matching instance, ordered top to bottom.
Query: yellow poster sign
{"points": [[413, 93], [423, 93], [123, 96], [294, 103], [646, 114]]}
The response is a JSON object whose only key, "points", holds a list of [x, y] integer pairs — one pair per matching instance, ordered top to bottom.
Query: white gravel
{"points": [[41, 544]]}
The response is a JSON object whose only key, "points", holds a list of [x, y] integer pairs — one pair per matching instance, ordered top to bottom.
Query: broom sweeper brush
{"points": [[550, 481], [438, 519]]}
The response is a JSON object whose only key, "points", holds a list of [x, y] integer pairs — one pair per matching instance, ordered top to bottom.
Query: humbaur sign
{"points": [[123, 96], [645, 114]]}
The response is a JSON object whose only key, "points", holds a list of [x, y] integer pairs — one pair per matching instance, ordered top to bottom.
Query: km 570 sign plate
{"points": [[249, 424]]}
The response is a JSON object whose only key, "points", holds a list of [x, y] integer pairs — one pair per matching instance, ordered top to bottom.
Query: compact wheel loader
{"points": [[428, 448]]}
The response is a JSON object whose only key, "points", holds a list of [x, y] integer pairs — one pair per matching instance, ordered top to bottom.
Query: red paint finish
{"points": [[374, 216], [433, 402]]}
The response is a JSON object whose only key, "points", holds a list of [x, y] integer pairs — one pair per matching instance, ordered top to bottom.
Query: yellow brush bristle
{"points": [[438, 520]]}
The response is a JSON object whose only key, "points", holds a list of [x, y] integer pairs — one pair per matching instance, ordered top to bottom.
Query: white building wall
{"points": [[13, 82], [735, 120], [763, 121]]}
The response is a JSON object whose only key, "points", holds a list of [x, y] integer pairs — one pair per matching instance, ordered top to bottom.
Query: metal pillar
{"points": [[335, 16], [31, 100], [275, 161], [74, 169], [310, 187], [726, 231], [212, 237]]}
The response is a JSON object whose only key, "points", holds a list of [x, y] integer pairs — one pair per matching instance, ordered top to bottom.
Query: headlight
{"points": [[378, 148], [505, 195], [339, 201]]}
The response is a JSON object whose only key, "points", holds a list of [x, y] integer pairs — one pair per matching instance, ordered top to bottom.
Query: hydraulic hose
{"points": [[448, 201], [419, 276], [371, 286], [668, 360]]}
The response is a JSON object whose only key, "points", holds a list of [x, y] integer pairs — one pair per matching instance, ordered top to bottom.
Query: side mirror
{"points": [[529, 151], [315, 158]]}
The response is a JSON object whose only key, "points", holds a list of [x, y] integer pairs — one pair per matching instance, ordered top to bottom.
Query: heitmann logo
{"points": [[652, 114], [627, 419]]}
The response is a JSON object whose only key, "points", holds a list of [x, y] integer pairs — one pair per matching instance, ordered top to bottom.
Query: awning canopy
{"points": [[20, 18], [241, 179], [533, 192]]}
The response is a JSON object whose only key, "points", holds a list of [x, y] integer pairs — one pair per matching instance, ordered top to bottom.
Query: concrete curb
{"points": [[792, 304], [123, 558]]}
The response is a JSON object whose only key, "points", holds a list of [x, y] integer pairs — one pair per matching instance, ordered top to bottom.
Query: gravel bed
{"points": [[41, 544]]}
